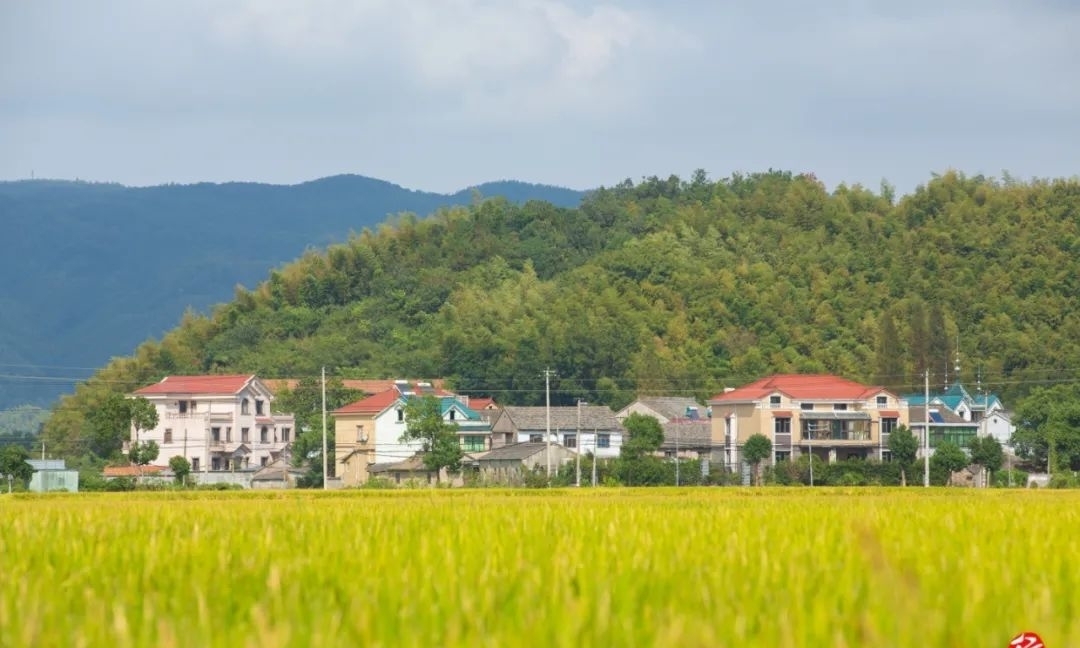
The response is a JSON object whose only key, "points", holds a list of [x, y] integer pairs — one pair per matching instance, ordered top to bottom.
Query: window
{"points": [[774, 401], [882, 401], [182, 406], [244, 406], [258, 407], [806, 407], [839, 407], [193, 408], [400, 415], [452, 415], [888, 425], [782, 426], [215, 434], [228, 434], [285, 434], [168, 435], [244, 435], [264, 435], [360, 438], [536, 438], [570, 440], [603, 440], [473, 443], [886, 455], [783, 456], [262, 461], [215, 463], [195, 464]]}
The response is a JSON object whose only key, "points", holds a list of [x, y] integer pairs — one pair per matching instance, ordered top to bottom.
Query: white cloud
{"points": [[536, 58]]}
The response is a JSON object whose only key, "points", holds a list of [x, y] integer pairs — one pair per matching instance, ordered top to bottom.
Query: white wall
{"points": [[388, 431], [587, 445]]}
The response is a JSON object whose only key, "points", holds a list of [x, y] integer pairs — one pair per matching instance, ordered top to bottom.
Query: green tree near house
{"points": [[304, 402], [424, 422], [1048, 427], [758, 448], [904, 448], [142, 453], [988, 454], [950, 458], [13, 462], [637, 466], [181, 468]]}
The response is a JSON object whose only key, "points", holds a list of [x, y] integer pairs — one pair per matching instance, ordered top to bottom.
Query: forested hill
{"points": [[92, 270], [666, 286]]}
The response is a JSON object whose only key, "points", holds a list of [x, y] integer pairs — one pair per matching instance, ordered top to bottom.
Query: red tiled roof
{"points": [[228, 384], [367, 386], [799, 386], [371, 404], [477, 404], [889, 414], [131, 471]]}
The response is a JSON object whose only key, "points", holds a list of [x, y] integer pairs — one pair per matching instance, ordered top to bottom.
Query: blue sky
{"points": [[442, 94]]}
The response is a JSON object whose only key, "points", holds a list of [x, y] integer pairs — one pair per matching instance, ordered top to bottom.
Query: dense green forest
{"points": [[91, 270], [665, 286]]}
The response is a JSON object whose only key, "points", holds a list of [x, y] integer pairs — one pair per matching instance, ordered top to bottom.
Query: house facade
{"points": [[664, 409], [983, 409], [831, 417], [219, 423], [944, 425], [368, 432], [601, 433], [509, 464]]}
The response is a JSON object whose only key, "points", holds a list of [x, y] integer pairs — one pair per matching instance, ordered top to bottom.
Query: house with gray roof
{"points": [[664, 408], [600, 432], [509, 464]]}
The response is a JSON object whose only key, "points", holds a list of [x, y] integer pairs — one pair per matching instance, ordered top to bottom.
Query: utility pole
{"points": [[547, 411], [926, 439], [595, 441], [577, 445], [676, 452], [325, 473]]}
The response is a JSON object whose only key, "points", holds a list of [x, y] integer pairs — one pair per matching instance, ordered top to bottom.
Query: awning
{"points": [[781, 414], [889, 414], [844, 416]]}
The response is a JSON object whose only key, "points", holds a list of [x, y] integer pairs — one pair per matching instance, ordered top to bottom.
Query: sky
{"points": [[443, 94]]}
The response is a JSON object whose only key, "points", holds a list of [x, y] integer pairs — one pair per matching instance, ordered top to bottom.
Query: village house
{"points": [[664, 408], [983, 409], [834, 418], [218, 423], [368, 432], [601, 433], [509, 464]]}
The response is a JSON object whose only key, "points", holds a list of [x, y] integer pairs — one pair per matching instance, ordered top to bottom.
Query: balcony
{"points": [[846, 436]]}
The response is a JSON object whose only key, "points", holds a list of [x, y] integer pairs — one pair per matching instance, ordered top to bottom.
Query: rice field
{"points": [[604, 567]]}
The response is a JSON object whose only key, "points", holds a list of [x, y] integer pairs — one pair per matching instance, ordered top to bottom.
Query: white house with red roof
{"points": [[831, 417], [219, 423], [368, 432]]}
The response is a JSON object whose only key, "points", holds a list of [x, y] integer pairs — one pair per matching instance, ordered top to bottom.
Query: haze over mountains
{"points": [[91, 270]]}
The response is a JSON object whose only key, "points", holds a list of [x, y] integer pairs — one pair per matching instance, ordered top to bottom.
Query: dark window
{"points": [[774, 401], [882, 401], [244, 406], [839, 406], [183, 407], [258, 407], [806, 407], [400, 415], [888, 425], [782, 426], [215, 433], [228, 434], [285, 434], [168, 435], [244, 435], [264, 435], [536, 438], [570, 440], [603, 441], [473, 443], [783, 456], [262, 460], [195, 464], [215, 464]]}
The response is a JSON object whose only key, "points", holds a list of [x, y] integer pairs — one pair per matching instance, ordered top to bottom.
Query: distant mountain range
{"points": [[91, 270]]}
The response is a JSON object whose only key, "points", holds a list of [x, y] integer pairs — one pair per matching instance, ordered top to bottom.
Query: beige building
{"points": [[834, 418]]}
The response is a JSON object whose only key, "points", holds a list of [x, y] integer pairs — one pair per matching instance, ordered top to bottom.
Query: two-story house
{"points": [[983, 409], [831, 417], [216, 422], [368, 431], [601, 433]]}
